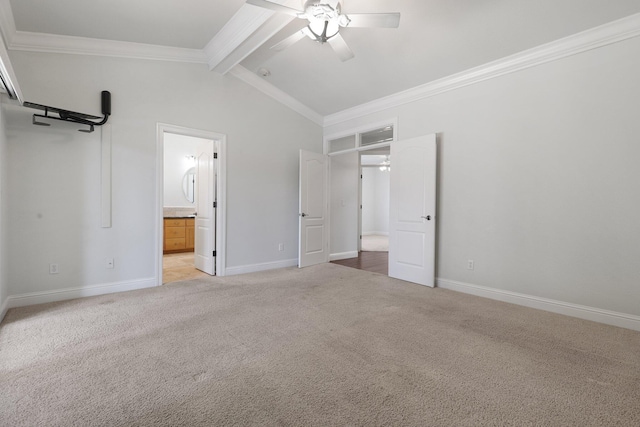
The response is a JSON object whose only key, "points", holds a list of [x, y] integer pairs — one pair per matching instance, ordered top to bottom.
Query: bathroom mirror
{"points": [[189, 184]]}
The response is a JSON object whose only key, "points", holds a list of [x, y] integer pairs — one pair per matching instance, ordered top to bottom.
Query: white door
{"points": [[412, 222], [205, 227], [312, 244]]}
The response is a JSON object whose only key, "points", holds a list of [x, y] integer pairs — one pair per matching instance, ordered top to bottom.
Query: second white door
{"points": [[412, 210], [312, 231]]}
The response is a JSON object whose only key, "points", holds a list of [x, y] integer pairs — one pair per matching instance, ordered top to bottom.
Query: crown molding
{"points": [[594, 38], [53, 43], [252, 79]]}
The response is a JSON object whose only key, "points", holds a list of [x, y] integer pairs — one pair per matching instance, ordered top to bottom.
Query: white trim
{"points": [[7, 24], [242, 24], [263, 34], [602, 35], [54, 43], [7, 71], [259, 83], [356, 131], [105, 177], [221, 192], [343, 255], [253, 268], [79, 292], [3, 309], [583, 312]]}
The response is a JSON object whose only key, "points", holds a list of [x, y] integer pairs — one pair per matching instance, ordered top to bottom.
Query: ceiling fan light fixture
{"points": [[325, 18], [323, 30]]}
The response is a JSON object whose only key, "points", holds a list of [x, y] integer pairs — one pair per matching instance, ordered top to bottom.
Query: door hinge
{"points": [[215, 155], [215, 204], [361, 237], [214, 253]]}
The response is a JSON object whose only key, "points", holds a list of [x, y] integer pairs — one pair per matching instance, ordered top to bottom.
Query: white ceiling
{"points": [[436, 38]]}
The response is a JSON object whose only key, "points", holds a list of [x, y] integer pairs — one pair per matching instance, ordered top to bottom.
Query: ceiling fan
{"points": [[325, 20]]}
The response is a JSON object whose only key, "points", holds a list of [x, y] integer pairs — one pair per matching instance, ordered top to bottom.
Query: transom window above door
{"points": [[356, 140]]}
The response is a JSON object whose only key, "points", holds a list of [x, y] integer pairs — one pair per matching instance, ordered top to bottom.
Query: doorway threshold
{"points": [[376, 262]]}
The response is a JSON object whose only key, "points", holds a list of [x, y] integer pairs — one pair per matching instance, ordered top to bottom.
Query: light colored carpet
{"points": [[375, 243], [326, 345]]}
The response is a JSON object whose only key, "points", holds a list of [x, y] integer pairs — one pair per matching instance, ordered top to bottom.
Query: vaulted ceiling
{"points": [[436, 38]]}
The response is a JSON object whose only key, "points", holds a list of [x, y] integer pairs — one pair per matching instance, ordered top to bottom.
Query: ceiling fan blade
{"points": [[276, 7], [380, 20], [293, 38], [340, 47]]}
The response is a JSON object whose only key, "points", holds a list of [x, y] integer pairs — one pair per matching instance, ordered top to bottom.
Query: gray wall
{"points": [[539, 178], [375, 201], [344, 206], [54, 207], [4, 285]]}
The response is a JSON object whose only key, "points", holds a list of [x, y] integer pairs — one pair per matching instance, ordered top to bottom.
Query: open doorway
{"points": [[360, 179], [374, 200], [190, 204], [180, 205], [411, 206], [373, 213]]}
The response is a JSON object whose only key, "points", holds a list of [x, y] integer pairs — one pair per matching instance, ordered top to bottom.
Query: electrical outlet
{"points": [[281, 247], [109, 263], [470, 264], [53, 268]]}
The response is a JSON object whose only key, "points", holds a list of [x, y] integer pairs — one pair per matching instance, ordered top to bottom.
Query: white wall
{"points": [[177, 149], [538, 178], [368, 201], [375, 201], [344, 206], [54, 208], [4, 285]]}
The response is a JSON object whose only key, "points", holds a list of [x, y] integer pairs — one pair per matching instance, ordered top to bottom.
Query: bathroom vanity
{"points": [[178, 234]]}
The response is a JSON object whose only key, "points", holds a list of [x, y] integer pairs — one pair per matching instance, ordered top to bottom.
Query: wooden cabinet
{"points": [[178, 235], [190, 236]]}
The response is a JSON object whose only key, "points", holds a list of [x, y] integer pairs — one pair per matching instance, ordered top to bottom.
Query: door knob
{"points": [[303, 214], [428, 217]]}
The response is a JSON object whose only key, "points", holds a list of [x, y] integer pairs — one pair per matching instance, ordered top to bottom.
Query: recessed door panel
{"points": [[412, 210], [312, 245], [411, 248]]}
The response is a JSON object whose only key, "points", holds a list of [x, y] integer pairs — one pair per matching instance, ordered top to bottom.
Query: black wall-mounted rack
{"points": [[73, 116]]}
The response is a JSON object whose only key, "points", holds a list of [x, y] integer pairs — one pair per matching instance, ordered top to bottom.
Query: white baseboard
{"points": [[375, 233], [343, 255], [253, 268], [72, 293], [3, 309], [622, 320]]}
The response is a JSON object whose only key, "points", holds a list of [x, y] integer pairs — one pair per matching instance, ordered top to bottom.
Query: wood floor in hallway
{"points": [[377, 262]]}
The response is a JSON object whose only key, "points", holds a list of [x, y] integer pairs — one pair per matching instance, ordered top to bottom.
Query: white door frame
{"points": [[221, 220]]}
